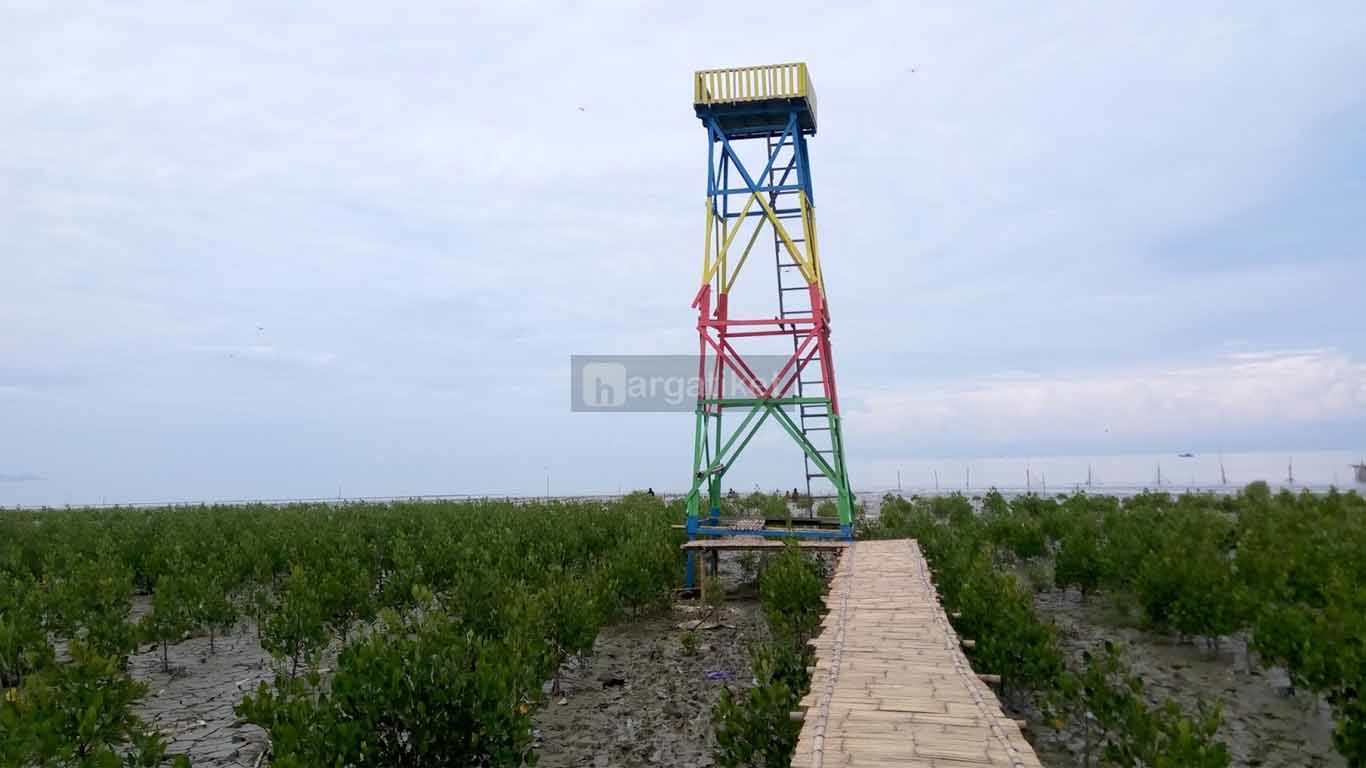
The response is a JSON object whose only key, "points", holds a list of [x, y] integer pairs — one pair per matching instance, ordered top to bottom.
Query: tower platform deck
{"points": [[756, 101], [892, 686]]}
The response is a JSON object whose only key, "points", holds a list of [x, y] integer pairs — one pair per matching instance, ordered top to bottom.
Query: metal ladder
{"points": [[794, 300]]}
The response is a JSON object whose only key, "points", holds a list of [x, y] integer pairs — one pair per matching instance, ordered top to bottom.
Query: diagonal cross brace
{"points": [[807, 270]]}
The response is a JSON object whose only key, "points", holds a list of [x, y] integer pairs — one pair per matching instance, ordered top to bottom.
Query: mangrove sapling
{"points": [[89, 600], [216, 612], [172, 617], [295, 629], [24, 644], [419, 690], [79, 713], [753, 727], [1131, 732]]}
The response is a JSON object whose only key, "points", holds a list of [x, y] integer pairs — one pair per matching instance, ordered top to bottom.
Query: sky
{"points": [[269, 250]]}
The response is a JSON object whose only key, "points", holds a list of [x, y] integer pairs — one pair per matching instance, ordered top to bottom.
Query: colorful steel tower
{"points": [[759, 188]]}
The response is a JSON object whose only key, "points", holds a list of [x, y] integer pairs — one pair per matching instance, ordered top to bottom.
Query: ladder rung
{"points": [[797, 288], [815, 429]]}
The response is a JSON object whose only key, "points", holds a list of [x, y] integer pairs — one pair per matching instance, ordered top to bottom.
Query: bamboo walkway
{"points": [[892, 686]]}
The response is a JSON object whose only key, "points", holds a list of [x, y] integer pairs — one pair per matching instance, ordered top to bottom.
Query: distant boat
{"points": [[1187, 455]]}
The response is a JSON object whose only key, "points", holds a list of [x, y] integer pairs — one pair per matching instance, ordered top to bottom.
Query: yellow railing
{"points": [[774, 81]]}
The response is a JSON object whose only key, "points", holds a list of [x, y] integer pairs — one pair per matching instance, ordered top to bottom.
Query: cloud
{"points": [[1233, 393], [19, 477]]}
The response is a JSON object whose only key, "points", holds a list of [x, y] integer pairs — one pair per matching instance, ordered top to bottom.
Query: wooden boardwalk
{"points": [[892, 686]]}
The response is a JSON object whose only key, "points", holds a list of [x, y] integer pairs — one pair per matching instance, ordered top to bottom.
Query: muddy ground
{"points": [[641, 698], [192, 706], [1264, 723]]}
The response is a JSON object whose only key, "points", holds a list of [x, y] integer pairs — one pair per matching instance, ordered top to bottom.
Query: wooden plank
{"points": [[891, 685]]}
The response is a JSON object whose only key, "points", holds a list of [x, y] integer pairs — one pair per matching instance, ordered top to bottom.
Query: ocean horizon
{"points": [[1120, 473]]}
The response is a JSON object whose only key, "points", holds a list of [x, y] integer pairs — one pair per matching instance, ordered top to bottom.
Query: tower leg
{"points": [[714, 499], [845, 505], [690, 562]]}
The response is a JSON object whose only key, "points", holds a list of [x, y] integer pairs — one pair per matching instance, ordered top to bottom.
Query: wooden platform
{"points": [[759, 542], [892, 686]]}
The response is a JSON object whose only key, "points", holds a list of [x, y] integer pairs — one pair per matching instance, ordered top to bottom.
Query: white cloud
{"points": [[1234, 392]]}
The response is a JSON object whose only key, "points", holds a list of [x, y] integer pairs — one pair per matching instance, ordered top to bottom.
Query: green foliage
{"points": [[772, 506], [954, 508], [893, 513], [1018, 527], [1078, 560], [1186, 580], [509, 589], [790, 592], [713, 593], [89, 600], [174, 607], [572, 616], [296, 631], [1011, 641], [24, 647], [419, 690], [78, 714], [753, 727], [1349, 729], [1132, 733]]}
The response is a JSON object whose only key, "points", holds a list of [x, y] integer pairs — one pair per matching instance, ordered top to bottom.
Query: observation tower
{"points": [[764, 340]]}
